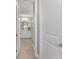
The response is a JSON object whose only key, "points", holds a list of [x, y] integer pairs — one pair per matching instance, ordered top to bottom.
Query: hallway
{"points": [[26, 50]]}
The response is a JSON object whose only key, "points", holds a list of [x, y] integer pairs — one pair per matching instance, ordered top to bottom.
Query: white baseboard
{"points": [[17, 52], [36, 54]]}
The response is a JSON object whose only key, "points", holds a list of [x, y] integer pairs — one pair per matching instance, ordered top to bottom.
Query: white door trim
{"points": [[35, 27], [41, 30]]}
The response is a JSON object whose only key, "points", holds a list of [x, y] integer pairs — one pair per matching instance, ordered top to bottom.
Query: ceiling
{"points": [[26, 0], [25, 7]]}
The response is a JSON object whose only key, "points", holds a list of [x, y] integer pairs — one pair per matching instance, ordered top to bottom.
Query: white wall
{"points": [[33, 32], [26, 34], [18, 40]]}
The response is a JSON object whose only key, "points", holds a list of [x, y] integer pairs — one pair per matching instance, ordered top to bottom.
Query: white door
{"points": [[51, 19], [52, 52]]}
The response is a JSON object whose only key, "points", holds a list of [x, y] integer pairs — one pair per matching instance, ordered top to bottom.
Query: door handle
{"points": [[60, 45]]}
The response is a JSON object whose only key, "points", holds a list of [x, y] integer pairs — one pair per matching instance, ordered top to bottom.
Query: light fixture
{"points": [[25, 19]]}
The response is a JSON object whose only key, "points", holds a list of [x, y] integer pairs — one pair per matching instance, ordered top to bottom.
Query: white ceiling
{"points": [[26, 0], [25, 7]]}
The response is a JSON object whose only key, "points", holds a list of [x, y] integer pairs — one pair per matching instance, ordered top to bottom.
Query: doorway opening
{"points": [[26, 47]]}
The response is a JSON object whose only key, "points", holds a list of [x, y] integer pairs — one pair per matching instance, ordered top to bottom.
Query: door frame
{"points": [[41, 29]]}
